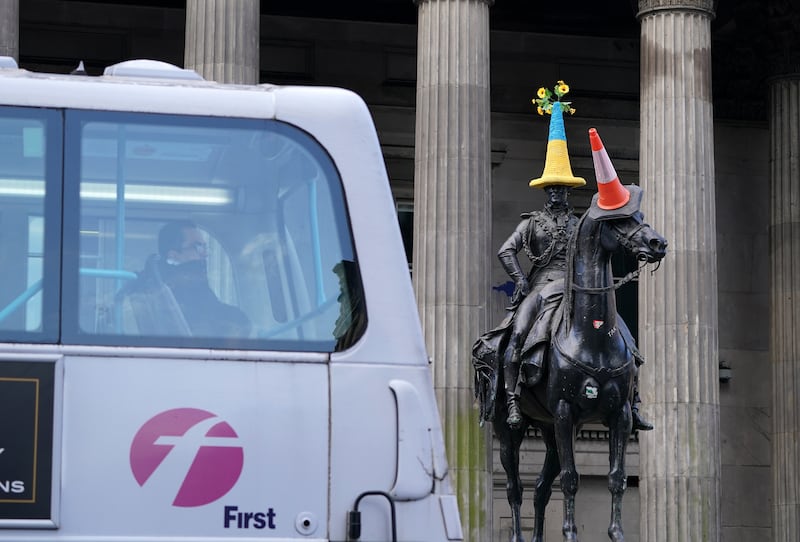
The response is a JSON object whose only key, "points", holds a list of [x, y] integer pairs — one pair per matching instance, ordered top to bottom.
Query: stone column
{"points": [[9, 28], [222, 40], [783, 59], [452, 230], [784, 247], [680, 460]]}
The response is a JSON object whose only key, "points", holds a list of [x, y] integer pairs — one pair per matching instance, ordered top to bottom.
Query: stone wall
{"points": [[742, 187]]}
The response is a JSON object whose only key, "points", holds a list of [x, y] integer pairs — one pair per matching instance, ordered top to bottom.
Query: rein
{"points": [[625, 241], [621, 282]]}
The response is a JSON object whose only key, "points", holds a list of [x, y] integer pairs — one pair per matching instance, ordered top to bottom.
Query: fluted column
{"points": [[9, 28], [222, 40], [452, 229], [784, 246], [680, 461]]}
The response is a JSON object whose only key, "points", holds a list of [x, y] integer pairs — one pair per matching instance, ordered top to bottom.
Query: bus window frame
{"points": [[53, 122], [71, 333]]}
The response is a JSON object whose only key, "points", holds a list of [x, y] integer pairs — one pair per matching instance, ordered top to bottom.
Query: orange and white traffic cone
{"points": [[611, 193]]}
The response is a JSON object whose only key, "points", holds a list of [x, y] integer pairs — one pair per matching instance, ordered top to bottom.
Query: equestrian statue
{"points": [[562, 356]]}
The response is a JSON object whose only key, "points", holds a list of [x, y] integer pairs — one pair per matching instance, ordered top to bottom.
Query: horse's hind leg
{"points": [[619, 431], [565, 438], [510, 441], [544, 484]]}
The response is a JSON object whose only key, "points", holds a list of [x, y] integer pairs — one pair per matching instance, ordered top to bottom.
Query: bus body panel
{"points": [[220, 448], [400, 453]]}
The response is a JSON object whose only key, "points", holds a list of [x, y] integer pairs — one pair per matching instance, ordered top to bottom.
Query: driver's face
{"points": [[194, 247]]}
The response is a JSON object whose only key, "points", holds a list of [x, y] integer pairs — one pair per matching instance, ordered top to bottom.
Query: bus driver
{"points": [[183, 266]]}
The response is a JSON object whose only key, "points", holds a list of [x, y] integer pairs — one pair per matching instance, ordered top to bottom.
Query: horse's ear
{"points": [[634, 204]]}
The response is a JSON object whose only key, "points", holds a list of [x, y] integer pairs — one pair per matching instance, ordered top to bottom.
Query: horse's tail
{"points": [[484, 361]]}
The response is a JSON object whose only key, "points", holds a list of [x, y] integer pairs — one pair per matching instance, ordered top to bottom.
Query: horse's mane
{"points": [[570, 272]]}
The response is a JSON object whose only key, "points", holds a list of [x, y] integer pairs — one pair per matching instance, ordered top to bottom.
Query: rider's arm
{"points": [[508, 259]]}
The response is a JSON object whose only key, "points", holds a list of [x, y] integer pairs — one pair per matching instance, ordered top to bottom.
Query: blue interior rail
{"points": [[36, 287]]}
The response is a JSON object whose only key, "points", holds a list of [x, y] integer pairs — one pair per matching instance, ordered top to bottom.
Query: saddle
{"points": [[549, 300], [549, 313], [487, 363]]}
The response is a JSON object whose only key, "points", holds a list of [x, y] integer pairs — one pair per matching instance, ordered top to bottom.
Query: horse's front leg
{"points": [[619, 431], [565, 439], [510, 442], [544, 484]]}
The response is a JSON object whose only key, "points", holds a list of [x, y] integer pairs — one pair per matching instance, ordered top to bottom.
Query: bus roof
{"points": [[140, 86]]}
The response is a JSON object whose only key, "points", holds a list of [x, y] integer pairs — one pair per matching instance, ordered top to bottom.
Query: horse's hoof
{"points": [[570, 533], [616, 535]]}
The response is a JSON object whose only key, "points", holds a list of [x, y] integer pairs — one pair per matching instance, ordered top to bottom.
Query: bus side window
{"points": [[30, 155], [267, 227]]}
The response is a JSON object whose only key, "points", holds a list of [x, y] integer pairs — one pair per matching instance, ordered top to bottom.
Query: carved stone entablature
{"points": [[418, 2], [648, 6], [766, 40], [781, 41]]}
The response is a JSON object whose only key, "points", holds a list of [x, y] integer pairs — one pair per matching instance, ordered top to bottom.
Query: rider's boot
{"points": [[532, 368], [511, 375], [639, 423]]}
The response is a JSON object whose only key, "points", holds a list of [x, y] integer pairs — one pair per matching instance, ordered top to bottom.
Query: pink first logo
{"points": [[195, 453]]}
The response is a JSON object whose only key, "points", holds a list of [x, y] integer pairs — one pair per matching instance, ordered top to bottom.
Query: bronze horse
{"points": [[590, 370]]}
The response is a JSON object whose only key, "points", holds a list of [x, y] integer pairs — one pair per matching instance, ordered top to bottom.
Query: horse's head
{"points": [[618, 207], [634, 235]]}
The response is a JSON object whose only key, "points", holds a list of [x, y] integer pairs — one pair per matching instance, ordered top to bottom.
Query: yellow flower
{"points": [[563, 88], [541, 93], [540, 110], [571, 110]]}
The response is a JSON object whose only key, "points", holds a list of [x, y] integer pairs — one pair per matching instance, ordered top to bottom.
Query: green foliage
{"points": [[544, 101]]}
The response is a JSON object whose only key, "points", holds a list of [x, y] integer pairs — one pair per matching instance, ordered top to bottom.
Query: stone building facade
{"points": [[698, 101]]}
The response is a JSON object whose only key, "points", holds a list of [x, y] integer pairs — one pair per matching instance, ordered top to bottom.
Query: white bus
{"points": [[207, 326]]}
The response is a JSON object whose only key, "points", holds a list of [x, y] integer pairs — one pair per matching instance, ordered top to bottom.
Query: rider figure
{"points": [[544, 236]]}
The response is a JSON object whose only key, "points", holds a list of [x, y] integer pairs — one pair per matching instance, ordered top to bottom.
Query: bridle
{"points": [[626, 241]]}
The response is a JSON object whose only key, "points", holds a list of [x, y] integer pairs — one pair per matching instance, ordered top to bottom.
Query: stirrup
{"points": [[514, 419]]}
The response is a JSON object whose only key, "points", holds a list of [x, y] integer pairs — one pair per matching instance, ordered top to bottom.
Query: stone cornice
{"points": [[489, 2], [646, 7], [781, 42]]}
